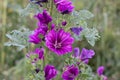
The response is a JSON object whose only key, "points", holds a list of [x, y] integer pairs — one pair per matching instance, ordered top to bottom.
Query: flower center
{"points": [[57, 45]]}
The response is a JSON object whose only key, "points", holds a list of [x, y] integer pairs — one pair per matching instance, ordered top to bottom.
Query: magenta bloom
{"points": [[64, 6], [44, 18], [42, 29], [76, 30], [34, 38], [59, 41], [76, 52], [86, 55], [100, 70], [50, 72], [70, 73]]}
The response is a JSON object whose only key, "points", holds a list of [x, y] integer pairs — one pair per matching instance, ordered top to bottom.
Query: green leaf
{"points": [[15, 7], [31, 8], [82, 15], [79, 17], [83, 23], [91, 35], [78, 37], [18, 38], [86, 72]]}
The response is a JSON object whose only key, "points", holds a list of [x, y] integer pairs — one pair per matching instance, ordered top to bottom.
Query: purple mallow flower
{"points": [[64, 6], [43, 18], [42, 29], [76, 30], [34, 38], [59, 41], [76, 52], [86, 55], [100, 70], [50, 72], [70, 73]]}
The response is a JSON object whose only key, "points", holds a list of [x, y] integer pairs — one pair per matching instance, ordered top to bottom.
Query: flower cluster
{"points": [[43, 20], [56, 39]]}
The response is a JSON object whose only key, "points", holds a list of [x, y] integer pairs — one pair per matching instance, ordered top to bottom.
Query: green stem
{"points": [[46, 5], [51, 7], [4, 19], [25, 51], [45, 53], [45, 58], [25, 72]]}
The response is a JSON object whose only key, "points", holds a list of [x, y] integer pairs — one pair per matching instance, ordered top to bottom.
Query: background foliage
{"points": [[106, 20]]}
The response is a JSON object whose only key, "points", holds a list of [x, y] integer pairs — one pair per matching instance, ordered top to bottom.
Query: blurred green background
{"points": [[106, 20]]}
